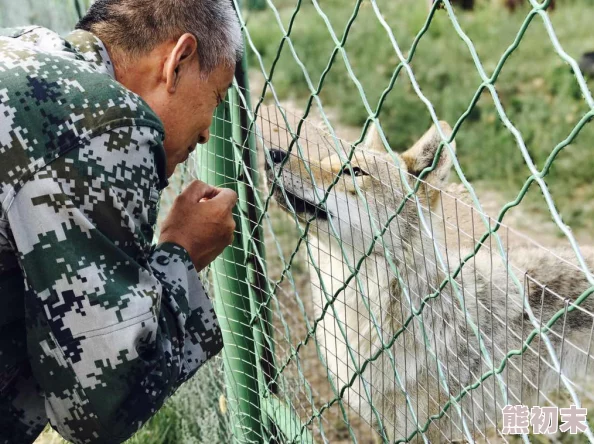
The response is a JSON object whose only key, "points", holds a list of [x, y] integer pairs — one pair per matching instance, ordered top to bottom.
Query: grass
{"points": [[536, 87]]}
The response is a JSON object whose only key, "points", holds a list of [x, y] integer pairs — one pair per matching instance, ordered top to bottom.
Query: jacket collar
{"points": [[90, 48]]}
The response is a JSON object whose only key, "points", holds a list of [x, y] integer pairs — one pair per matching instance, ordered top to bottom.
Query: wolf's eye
{"points": [[356, 171]]}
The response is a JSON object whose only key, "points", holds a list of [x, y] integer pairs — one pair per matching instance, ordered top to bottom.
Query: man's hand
{"points": [[201, 221]]}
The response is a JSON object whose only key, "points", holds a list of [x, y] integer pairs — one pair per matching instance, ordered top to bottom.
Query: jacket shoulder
{"points": [[53, 102]]}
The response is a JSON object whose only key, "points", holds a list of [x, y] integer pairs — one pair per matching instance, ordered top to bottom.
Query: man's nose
{"points": [[203, 137], [278, 156]]}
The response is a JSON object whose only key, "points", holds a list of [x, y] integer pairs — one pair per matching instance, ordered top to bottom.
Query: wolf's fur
{"points": [[374, 305]]}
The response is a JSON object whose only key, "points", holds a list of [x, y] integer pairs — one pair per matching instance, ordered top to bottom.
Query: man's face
{"points": [[170, 80], [188, 114]]}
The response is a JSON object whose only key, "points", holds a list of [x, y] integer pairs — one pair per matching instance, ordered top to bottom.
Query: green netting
{"points": [[365, 299], [344, 367]]}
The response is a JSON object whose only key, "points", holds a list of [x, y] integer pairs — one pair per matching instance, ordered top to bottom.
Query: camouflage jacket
{"points": [[98, 327]]}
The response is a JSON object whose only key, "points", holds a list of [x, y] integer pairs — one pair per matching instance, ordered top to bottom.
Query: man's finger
{"points": [[199, 190], [228, 196]]}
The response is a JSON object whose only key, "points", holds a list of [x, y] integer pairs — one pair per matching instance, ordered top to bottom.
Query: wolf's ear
{"points": [[373, 140], [421, 155]]}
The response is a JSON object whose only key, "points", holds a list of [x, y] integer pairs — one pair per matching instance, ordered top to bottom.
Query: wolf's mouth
{"points": [[302, 206]]}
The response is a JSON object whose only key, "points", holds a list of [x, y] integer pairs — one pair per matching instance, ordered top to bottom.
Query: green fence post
{"points": [[79, 11], [247, 156], [232, 301]]}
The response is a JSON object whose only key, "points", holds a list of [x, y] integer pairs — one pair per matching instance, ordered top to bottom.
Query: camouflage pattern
{"points": [[98, 326]]}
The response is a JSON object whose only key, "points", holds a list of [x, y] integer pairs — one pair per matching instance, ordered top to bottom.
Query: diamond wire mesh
{"points": [[283, 312], [309, 336], [319, 357], [443, 367]]}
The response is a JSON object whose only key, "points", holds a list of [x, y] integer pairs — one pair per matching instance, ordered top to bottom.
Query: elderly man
{"points": [[99, 327]]}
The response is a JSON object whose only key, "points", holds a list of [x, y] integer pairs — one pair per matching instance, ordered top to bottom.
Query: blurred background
{"points": [[537, 89]]}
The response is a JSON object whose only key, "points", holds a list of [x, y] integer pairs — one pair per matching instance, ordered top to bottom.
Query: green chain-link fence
{"points": [[365, 299], [388, 301]]}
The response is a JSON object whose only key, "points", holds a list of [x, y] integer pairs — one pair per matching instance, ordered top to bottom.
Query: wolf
{"points": [[415, 324]]}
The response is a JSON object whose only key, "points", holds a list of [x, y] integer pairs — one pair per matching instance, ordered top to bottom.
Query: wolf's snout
{"points": [[278, 156]]}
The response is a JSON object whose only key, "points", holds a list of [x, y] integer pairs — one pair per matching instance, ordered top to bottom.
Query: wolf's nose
{"points": [[278, 156]]}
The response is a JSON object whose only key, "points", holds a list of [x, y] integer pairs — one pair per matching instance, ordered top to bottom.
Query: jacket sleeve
{"points": [[114, 325]]}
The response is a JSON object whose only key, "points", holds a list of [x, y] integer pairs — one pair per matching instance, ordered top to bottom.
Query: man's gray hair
{"points": [[132, 28]]}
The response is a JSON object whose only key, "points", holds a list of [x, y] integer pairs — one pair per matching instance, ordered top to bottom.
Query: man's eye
{"points": [[356, 171]]}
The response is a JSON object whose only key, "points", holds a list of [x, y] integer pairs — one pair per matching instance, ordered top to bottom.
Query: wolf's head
{"points": [[377, 191]]}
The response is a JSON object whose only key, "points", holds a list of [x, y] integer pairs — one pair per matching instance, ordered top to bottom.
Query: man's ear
{"points": [[179, 58], [422, 153]]}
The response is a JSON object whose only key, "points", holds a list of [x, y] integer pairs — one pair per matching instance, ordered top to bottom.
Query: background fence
{"points": [[354, 307], [344, 352]]}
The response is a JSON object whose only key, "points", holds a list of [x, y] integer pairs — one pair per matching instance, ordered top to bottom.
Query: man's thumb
{"points": [[228, 196]]}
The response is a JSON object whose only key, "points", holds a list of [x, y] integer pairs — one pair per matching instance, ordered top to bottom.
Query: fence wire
{"points": [[383, 303], [396, 307]]}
